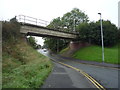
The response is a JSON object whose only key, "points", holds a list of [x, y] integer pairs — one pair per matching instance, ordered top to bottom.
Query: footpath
{"points": [[64, 77]]}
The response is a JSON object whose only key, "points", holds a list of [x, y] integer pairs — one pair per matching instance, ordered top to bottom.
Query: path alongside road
{"points": [[63, 77]]}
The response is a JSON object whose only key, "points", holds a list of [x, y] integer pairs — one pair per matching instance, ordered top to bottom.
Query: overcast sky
{"points": [[50, 9]]}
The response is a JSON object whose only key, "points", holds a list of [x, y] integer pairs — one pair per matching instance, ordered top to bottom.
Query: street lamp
{"points": [[102, 38]]}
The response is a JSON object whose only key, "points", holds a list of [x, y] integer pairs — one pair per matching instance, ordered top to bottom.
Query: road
{"points": [[107, 77]]}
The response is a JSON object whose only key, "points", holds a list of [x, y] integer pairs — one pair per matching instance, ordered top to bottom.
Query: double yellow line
{"points": [[93, 81]]}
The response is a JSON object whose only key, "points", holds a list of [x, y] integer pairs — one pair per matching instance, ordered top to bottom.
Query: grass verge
{"points": [[64, 50], [94, 53]]}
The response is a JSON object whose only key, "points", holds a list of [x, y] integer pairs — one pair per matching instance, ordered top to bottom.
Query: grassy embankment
{"points": [[64, 50], [94, 53], [23, 67]]}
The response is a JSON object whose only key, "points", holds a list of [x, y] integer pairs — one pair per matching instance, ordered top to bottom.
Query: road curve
{"points": [[106, 76], [79, 79]]}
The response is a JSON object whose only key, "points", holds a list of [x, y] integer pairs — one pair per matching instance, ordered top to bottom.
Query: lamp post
{"points": [[102, 38]]}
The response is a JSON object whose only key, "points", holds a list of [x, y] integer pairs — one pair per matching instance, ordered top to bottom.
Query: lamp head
{"points": [[99, 13]]}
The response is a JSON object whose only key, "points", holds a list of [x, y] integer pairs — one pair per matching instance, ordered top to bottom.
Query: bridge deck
{"points": [[32, 25], [36, 30]]}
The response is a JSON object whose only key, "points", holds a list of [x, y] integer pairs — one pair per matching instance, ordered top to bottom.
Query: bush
{"points": [[10, 30], [32, 42]]}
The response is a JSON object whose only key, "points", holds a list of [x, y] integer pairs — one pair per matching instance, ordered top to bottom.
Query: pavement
{"points": [[64, 77]]}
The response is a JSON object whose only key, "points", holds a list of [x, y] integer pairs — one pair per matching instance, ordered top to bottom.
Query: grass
{"points": [[64, 50], [94, 53], [24, 67]]}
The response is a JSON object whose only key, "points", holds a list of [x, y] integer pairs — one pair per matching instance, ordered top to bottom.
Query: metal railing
{"points": [[31, 20]]}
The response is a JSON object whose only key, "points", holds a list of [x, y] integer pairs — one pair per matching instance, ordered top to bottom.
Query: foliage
{"points": [[75, 14], [56, 23], [65, 23], [10, 31], [84, 31], [91, 32], [110, 33], [119, 35], [10, 36], [32, 42], [55, 44], [39, 46], [64, 50], [94, 53], [23, 67], [31, 74]]}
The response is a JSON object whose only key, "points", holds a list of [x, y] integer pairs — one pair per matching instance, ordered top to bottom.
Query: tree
{"points": [[75, 14], [56, 23], [65, 23], [84, 31], [92, 33], [110, 33], [118, 35], [32, 42], [55, 44]]}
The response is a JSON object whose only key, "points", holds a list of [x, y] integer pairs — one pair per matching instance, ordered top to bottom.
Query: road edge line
{"points": [[93, 81]]}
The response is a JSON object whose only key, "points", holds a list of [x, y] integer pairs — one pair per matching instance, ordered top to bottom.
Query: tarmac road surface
{"points": [[107, 77]]}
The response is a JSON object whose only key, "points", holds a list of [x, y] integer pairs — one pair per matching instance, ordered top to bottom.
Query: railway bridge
{"points": [[33, 26], [37, 27]]}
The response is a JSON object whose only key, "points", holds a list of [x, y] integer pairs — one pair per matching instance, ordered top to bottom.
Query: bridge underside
{"points": [[40, 31], [41, 35]]}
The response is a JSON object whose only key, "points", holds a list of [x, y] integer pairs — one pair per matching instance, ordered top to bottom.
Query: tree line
{"points": [[78, 21]]}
